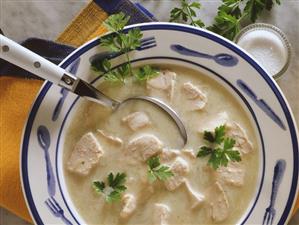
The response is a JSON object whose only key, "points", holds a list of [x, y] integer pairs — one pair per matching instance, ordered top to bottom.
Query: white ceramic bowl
{"points": [[44, 133]]}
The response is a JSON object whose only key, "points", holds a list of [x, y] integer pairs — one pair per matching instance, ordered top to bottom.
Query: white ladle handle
{"points": [[32, 62]]}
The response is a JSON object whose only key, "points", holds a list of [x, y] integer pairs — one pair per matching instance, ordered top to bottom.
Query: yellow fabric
{"points": [[87, 25], [16, 97]]}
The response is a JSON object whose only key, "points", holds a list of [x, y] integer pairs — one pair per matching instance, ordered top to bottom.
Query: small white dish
{"points": [[268, 45]]}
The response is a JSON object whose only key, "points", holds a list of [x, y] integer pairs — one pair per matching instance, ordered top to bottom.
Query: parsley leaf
{"points": [[231, 7], [253, 8], [186, 13], [230, 16], [116, 22], [226, 25], [121, 42], [145, 73], [219, 134], [208, 136], [216, 137], [204, 151], [221, 151], [157, 171], [117, 181], [98, 186], [115, 187], [114, 196]]}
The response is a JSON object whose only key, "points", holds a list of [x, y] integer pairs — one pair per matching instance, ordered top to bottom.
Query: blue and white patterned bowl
{"points": [[41, 154]]}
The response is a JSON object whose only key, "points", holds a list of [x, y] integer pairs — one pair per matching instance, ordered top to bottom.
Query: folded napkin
{"points": [[17, 94]]}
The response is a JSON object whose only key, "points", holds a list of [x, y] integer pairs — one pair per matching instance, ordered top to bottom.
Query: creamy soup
{"points": [[100, 142]]}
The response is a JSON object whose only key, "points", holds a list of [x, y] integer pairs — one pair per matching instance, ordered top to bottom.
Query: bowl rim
{"points": [[163, 26]]}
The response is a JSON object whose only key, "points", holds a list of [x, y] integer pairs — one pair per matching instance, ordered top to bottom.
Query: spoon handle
{"points": [[32, 62]]}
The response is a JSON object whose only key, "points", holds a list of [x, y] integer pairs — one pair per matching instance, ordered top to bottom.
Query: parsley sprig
{"points": [[186, 12], [230, 16], [122, 42], [220, 149], [157, 171], [115, 187]]}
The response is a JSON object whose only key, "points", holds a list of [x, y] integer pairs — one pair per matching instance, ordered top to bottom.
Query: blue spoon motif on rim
{"points": [[222, 59], [43, 137]]}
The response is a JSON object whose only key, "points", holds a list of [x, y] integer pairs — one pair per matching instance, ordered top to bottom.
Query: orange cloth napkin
{"points": [[16, 97]]}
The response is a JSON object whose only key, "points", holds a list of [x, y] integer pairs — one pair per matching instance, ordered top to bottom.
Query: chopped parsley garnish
{"points": [[121, 42], [220, 149], [157, 171], [115, 187]]}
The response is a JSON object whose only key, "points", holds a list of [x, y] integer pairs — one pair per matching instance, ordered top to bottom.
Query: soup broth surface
{"points": [[201, 178]]}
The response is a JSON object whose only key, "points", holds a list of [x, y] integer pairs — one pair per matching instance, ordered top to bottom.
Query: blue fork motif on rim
{"points": [[146, 43], [261, 103], [44, 140], [277, 177], [56, 210]]}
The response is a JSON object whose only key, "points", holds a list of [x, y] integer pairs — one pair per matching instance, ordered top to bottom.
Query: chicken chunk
{"points": [[162, 85], [196, 98], [137, 120], [214, 121], [236, 132], [110, 138], [145, 146], [189, 153], [169, 154], [85, 155], [179, 168], [232, 174], [196, 198], [129, 206], [219, 206], [161, 214]]}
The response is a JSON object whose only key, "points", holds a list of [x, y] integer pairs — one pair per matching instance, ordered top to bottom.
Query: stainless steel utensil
{"points": [[30, 61]]}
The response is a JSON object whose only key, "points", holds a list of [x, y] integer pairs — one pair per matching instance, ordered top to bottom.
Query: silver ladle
{"points": [[30, 61]]}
